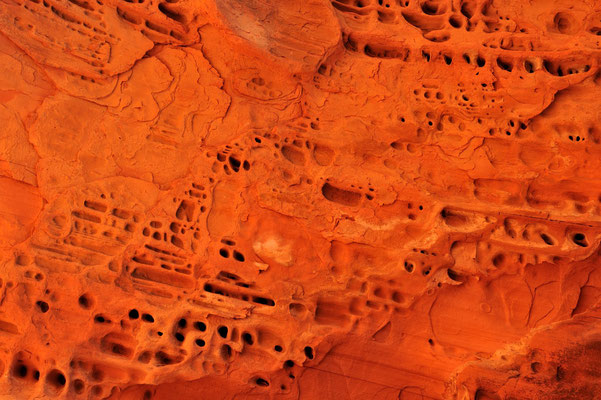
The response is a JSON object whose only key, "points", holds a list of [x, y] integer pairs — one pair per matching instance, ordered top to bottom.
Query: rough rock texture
{"points": [[300, 199]]}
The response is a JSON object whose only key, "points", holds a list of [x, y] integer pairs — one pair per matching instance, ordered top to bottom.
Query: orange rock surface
{"points": [[300, 199]]}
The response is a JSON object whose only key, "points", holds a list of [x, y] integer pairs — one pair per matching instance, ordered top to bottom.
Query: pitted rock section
{"points": [[343, 199]]}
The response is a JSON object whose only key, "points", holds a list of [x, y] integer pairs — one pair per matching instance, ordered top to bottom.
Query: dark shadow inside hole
{"points": [[546, 239], [580, 239], [238, 256], [147, 318], [222, 330], [247, 337], [309, 352], [261, 382]]}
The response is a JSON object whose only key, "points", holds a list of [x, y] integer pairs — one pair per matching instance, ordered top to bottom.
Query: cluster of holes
{"points": [[430, 16], [155, 28], [478, 60], [530, 65], [429, 96], [512, 127], [575, 138], [230, 162], [185, 210], [97, 211], [412, 216], [182, 233], [235, 254], [147, 261], [410, 266], [32, 274], [237, 293], [378, 295], [395, 295], [134, 314], [202, 327], [181, 328], [177, 334], [249, 340], [161, 357], [21, 371], [55, 379]]}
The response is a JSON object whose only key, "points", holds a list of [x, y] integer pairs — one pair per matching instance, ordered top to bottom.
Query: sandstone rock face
{"points": [[300, 199]]}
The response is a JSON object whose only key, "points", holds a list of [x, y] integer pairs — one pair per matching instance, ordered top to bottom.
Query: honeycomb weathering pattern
{"points": [[301, 199]]}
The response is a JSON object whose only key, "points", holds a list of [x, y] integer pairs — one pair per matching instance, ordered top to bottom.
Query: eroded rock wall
{"points": [[300, 199]]}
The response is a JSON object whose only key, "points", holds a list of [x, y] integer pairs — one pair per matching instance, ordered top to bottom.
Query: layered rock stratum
{"points": [[300, 199]]}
